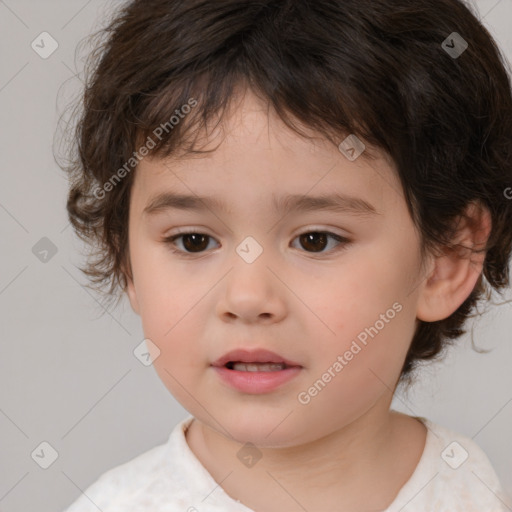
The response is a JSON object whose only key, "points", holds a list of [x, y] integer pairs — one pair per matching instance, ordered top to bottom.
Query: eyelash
{"points": [[342, 242]]}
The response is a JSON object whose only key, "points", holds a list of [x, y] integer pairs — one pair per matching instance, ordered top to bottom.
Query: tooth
{"points": [[258, 367]]}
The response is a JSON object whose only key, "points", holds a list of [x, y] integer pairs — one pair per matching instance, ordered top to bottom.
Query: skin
{"points": [[307, 306]]}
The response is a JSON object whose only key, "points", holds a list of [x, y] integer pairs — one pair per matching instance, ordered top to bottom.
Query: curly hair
{"points": [[379, 69]]}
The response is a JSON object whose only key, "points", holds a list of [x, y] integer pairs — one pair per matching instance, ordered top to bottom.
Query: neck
{"points": [[340, 466]]}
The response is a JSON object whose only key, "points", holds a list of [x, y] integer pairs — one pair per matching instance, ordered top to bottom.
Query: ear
{"points": [[456, 272], [130, 287]]}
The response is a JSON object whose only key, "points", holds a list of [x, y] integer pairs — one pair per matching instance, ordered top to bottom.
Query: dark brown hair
{"points": [[374, 68]]}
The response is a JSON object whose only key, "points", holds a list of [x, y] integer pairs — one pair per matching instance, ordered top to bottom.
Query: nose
{"points": [[252, 292]]}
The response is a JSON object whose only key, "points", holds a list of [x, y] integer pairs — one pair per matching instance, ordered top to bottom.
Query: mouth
{"points": [[257, 360], [255, 367], [255, 372]]}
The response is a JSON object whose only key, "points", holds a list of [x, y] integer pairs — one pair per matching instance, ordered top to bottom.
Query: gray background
{"points": [[69, 376]]}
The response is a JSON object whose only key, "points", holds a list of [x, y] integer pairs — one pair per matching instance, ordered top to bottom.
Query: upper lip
{"points": [[253, 356]]}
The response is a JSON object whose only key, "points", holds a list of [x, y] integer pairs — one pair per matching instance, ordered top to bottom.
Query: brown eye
{"points": [[317, 241], [192, 242], [195, 242]]}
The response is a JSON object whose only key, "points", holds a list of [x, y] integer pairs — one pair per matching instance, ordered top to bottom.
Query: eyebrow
{"points": [[335, 202]]}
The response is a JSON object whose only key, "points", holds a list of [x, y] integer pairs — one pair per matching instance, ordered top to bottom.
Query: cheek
{"points": [[164, 292], [370, 320], [173, 321], [355, 375]]}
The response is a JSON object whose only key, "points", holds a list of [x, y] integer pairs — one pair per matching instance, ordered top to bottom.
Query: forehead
{"points": [[254, 154]]}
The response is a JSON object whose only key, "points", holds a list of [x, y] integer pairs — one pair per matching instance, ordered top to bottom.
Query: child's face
{"points": [[300, 298]]}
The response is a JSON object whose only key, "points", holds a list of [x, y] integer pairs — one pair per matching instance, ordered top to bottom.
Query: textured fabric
{"points": [[452, 475]]}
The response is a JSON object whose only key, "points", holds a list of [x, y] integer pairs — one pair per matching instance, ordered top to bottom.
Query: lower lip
{"points": [[256, 382]]}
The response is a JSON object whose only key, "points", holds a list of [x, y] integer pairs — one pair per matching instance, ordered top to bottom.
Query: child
{"points": [[220, 142]]}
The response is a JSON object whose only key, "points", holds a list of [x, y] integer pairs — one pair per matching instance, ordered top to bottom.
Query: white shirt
{"points": [[453, 475]]}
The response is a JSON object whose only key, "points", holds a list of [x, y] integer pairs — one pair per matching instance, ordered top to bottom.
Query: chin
{"points": [[264, 426]]}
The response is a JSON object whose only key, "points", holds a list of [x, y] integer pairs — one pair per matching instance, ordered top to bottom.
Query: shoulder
{"points": [[453, 474], [120, 485]]}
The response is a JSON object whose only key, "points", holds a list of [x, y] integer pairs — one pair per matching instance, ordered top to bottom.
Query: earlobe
{"points": [[456, 271], [130, 290], [132, 295]]}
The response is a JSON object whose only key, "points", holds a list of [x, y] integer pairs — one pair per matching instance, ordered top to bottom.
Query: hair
{"points": [[374, 68]]}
